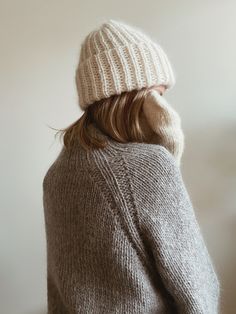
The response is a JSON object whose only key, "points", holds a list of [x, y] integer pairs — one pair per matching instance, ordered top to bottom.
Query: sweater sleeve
{"points": [[168, 222]]}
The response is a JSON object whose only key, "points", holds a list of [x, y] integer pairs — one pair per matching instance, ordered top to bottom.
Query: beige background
{"points": [[40, 43]]}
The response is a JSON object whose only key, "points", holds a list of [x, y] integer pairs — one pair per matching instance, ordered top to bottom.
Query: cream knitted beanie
{"points": [[117, 57]]}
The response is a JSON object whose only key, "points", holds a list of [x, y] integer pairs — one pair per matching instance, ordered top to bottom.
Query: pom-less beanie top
{"points": [[117, 57]]}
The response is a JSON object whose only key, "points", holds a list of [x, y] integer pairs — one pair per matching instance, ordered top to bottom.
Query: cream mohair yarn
{"points": [[118, 57], [169, 133]]}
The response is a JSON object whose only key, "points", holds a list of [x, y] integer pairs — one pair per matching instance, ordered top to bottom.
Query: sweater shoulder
{"points": [[151, 159], [138, 161], [146, 170], [154, 174]]}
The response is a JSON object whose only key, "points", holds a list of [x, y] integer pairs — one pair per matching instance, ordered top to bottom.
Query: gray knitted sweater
{"points": [[122, 235]]}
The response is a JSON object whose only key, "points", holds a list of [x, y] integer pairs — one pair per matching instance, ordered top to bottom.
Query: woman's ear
{"points": [[165, 122]]}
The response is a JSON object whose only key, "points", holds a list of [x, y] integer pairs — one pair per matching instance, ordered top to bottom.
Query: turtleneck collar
{"points": [[113, 147]]}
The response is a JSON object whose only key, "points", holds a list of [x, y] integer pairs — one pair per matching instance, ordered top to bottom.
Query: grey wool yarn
{"points": [[122, 235]]}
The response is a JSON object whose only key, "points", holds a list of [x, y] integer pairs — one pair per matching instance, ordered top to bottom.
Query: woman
{"points": [[122, 235]]}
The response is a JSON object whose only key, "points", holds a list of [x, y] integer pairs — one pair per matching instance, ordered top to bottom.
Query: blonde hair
{"points": [[119, 116]]}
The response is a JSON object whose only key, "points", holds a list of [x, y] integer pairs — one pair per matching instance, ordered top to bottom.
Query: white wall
{"points": [[40, 43]]}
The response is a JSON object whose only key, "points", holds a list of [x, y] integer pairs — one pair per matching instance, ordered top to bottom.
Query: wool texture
{"points": [[117, 57], [165, 123], [122, 234]]}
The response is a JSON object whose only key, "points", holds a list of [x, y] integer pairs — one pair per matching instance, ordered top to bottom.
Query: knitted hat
{"points": [[117, 57]]}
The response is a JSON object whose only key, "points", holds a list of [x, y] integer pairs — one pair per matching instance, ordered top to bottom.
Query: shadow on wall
{"points": [[210, 160]]}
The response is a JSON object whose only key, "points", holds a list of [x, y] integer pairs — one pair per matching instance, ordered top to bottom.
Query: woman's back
{"points": [[122, 235]]}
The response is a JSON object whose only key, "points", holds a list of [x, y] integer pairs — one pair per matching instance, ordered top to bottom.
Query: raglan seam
{"points": [[138, 247]]}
